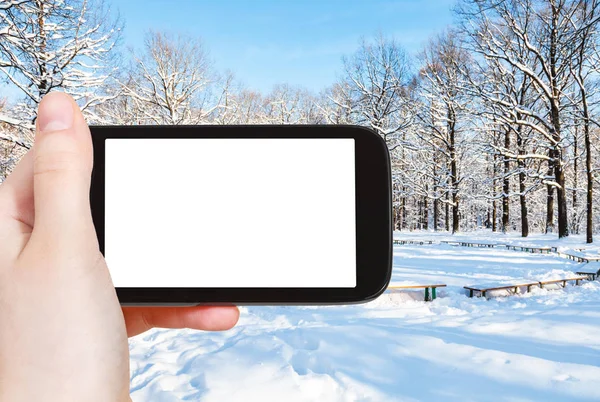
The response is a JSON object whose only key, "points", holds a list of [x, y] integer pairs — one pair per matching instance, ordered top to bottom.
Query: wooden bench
{"points": [[420, 242], [451, 243], [468, 244], [479, 245], [540, 250], [573, 257], [591, 275], [563, 281], [426, 287], [483, 290]]}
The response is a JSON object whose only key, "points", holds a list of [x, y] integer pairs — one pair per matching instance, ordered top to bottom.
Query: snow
{"points": [[542, 345]]}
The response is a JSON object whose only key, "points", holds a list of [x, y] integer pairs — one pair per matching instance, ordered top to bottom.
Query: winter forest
{"points": [[494, 123]]}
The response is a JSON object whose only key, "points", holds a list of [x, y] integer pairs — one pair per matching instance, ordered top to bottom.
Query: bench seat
{"points": [[419, 242], [541, 250], [573, 257], [591, 275], [563, 281], [426, 287], [483, 289]]}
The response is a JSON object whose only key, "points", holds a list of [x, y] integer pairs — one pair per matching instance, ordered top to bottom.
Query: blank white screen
{"points": [[230, 212]]}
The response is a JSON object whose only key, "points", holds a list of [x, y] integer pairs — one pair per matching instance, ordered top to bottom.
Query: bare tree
{"points": [[537, 39], [63, 44], [443, 65], [583, 66], [376, 78], [168, 83], [375, 86], [504, 93], [236, 104], [286, 104], [336, 105]]}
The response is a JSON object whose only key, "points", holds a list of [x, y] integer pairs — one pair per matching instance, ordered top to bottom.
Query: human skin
{"points": [[63, 334]]}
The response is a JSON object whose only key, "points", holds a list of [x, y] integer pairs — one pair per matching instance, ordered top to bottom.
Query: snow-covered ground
{"points": [[543, 345]]}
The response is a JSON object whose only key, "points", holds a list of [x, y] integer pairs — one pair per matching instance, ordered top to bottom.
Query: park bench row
{"points": [[420, 242], [470, 244], [529, 249], [540, 250], [516, 287], [430, 290], [431, 294]]}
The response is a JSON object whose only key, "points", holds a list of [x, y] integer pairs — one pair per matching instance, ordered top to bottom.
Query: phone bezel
{"points": [[373, 216]]}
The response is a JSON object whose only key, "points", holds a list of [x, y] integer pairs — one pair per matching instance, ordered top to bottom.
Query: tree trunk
{"points": [[453, 169], [559, 173], [559, 177], [506, 184], [522, 187], [550, 199], [523, 202], [436, 203], [394, 204], [402, 206], [494, 208], [403, 212], [425, 213], [436, 213], [447, 213], [455, 214], [574, 220], [563, 221], [419, 223], [589, 236]]}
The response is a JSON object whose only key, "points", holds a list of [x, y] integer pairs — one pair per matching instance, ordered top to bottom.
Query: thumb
{"points": [[63, 159]]}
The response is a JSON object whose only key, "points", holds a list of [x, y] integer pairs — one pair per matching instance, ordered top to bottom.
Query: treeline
{"points": [[494, 123]]}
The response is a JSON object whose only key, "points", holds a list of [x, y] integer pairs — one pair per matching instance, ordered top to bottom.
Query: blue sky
{"points": [[265, 42]]}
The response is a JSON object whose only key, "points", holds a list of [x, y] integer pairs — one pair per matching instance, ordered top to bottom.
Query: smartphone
{"points": [[263, 214]]}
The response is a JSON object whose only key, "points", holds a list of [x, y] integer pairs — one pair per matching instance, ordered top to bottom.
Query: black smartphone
{"points": [[263, 214]]}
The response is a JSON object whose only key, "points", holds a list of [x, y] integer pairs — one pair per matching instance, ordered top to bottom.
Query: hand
{"points": [[63, 334]]}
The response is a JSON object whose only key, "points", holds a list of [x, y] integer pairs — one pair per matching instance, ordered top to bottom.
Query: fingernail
{"points": [[55, 113]]}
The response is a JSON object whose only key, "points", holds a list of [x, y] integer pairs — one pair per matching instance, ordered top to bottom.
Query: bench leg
{"points": [[470, 292], [483, 293], [426, 294], [433, 294]]}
